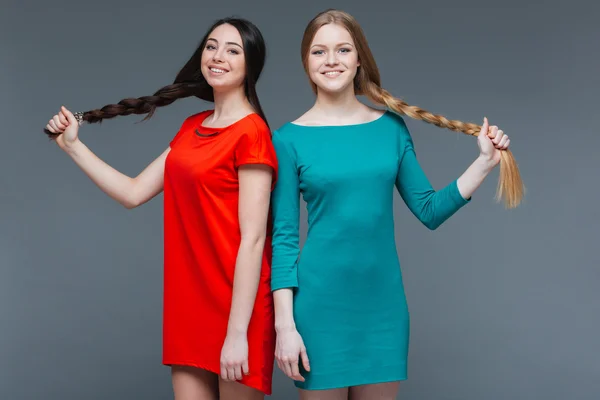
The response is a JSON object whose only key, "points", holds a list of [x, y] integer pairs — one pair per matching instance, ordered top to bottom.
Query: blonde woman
{"points": [[341, 315]]}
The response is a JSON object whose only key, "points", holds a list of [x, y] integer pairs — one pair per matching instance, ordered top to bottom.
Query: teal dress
{"points": [[349, 301]]}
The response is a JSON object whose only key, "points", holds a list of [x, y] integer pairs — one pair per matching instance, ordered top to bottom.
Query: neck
{"points": [[230, 104], [337, 104]]}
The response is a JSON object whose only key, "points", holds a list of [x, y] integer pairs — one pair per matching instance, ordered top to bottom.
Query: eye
{"points": [[210, 47], [345, 50], [234, 51], [317, 52]]}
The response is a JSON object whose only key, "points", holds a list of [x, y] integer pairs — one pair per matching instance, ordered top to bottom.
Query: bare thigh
{"points": [[191, 383], [237, 391], [377, 391], [332, 394]]}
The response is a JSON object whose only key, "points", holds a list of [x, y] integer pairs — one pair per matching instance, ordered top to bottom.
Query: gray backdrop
{"points": [[504, 304]]}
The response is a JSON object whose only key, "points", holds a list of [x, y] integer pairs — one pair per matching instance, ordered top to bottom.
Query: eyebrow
{"points": [[233, 43], [339, 44]]}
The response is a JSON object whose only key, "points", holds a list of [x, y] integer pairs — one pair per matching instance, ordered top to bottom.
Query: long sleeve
{"points": [[285, 205], [431, 207]]}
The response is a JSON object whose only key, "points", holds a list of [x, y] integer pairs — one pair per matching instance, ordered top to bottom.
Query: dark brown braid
{"points": [[190, 81]]}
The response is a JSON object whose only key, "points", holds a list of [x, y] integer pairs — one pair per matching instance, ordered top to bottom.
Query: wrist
{"points": [[69, 147], [485, 163], [283, 327], [234, 331]]}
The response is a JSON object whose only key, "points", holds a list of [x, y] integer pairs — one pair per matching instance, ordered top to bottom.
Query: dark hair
{"points": [[190, 81]]}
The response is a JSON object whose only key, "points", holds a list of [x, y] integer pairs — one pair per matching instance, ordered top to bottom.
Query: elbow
{"points": [[131, 199], [130, 203], [429, 217], [430, 220], [431, 225]]}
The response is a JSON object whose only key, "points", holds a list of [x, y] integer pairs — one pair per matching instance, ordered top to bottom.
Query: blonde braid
{"points": [[510, 186]]}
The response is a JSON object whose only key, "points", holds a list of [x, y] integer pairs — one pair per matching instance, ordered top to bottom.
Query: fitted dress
{"points": [[202, 238], [349, 301]]}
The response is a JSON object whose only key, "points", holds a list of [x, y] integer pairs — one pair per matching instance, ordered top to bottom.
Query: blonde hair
{"points": [[367, 82]]}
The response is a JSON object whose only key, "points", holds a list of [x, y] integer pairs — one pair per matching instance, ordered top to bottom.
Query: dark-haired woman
{"points": [[217, 175]]}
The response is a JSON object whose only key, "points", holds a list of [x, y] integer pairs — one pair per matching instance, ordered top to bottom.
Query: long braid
{"points": [[190, 81], [368, 82], [143, 105], [510, 185]]}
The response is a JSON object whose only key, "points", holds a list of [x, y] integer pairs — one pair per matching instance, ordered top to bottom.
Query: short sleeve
{"points": [[255, 146]]}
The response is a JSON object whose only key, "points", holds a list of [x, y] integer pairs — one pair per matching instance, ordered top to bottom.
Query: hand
{"points": [[66, 126], [491, 143], [289, 349], [234, 357]]}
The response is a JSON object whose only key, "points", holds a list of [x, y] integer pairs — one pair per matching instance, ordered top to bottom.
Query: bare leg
{"points": [[191, 383], [237, 391], [377, 391], [332, 394]]}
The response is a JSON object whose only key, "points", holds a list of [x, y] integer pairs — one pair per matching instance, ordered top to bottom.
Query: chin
{"points": [[223, 85], [330, 87]]}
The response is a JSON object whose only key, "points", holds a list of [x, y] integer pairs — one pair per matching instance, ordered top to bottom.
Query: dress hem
{"points": [[328, 382], [260, 388]]}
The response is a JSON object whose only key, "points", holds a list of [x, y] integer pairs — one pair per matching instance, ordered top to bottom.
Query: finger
{"points": [[69, 115], [63, 118], [59, 124], [53, 125], [485, 126], [51, 129], [493, 132], [499, 136], [501, 141], [504, 143], [305, 362], [245, 368], [288, 369], [223, 372], [238, 372], [231, 373], [296, 373]]}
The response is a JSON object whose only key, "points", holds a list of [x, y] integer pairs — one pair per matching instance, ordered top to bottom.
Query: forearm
{"points": [[474, 176], [114, 183], [245, 284], [284, 309]]}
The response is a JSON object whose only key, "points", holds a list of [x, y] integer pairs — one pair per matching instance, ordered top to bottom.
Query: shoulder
{"points": [[395, 120], [256, 123], [398, 124], [253, 126], [286, 132]]}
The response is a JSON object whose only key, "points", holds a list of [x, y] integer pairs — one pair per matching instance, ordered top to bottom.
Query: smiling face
{"points": [[333, 59], [223, 61]]}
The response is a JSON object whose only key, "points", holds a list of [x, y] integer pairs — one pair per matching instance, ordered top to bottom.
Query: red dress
{"points": [[202, 238]]}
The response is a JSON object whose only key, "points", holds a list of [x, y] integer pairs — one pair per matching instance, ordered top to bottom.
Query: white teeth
{"points": [[216, 70], [332, 73]]}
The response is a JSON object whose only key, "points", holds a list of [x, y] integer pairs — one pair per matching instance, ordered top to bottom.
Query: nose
{"points": [[218, 56], [332, 58]]}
